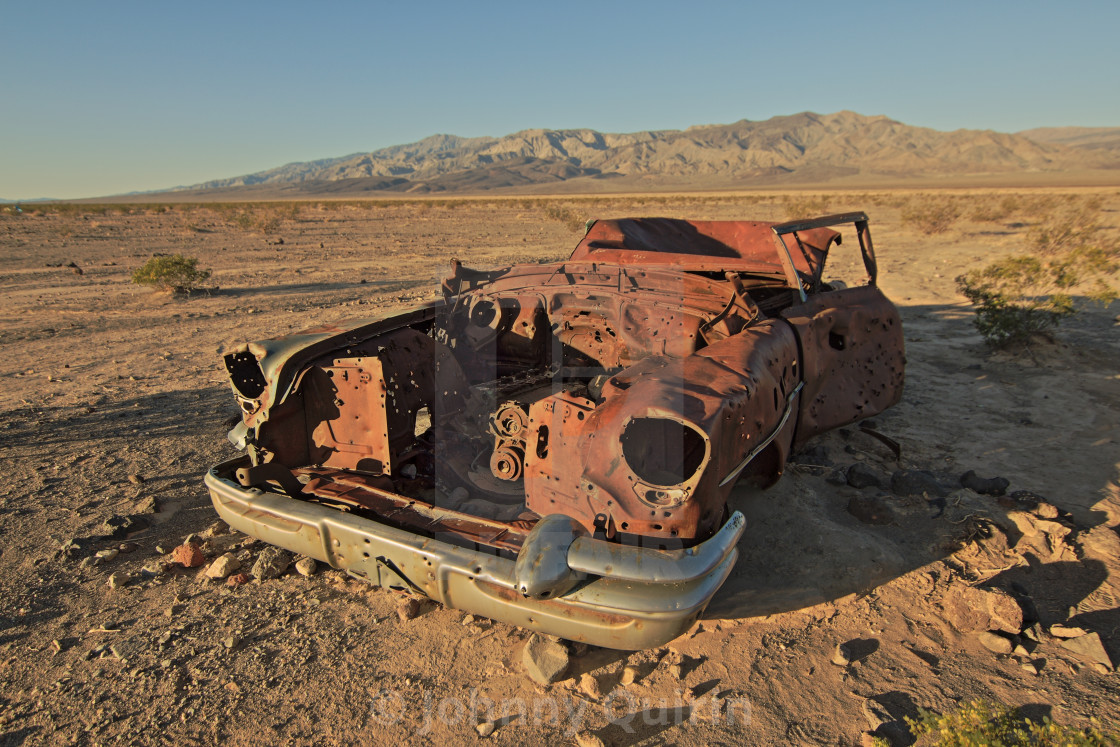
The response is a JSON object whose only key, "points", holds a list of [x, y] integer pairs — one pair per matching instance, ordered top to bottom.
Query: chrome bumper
{"points": [[610, 595]]}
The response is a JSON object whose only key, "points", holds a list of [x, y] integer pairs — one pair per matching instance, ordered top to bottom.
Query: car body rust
{"points": [[551, 414]]}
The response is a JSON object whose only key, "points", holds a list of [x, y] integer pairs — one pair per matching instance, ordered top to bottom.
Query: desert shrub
{"points": [[805, 206], [565, 215], [930, 216], [1073, 224], [171, 272], [1025, 295], [980, 722]]}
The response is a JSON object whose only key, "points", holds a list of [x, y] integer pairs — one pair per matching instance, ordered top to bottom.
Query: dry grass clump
{"points": [[805, 206], [565, 215], [931, 215]]}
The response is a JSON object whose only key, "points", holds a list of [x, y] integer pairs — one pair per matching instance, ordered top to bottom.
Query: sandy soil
{"points": [[114, 403]]}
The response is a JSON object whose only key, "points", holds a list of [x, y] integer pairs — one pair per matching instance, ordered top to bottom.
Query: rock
{"points": [[814, 455], [861, 476], [836, 477], [136, 479], [917, 482], [994, 486], [146, 505], [870, 510], [1046, 510], [119, 527], [216, 529], [128, 547], [104, 556], [188, 556], [271, 563], [223, 566], [306, 566], [155, 569], [237, 579], [117, 580], [408, 608], [973, 610], [1065, 631], [995, 642], [1089, 648], [841, 655], [544, 660], [1029, 667], [675, 671], [629, 674], [589, 686], [875, 714], [485, 729], [588, 739]]}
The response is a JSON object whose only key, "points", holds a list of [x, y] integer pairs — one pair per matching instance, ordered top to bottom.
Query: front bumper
{"points": [[624, 597]]}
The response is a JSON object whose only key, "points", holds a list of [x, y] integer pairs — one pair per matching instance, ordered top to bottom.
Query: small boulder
{"points": [[862, 476], [917, 482], [994, 486], [1044, 510], [119, 527], [188, 555], [271, 563], [223, 566], [306, 566], [237, 579], [117, 580], [408, 608], [973, 610], [1067, 631], [995, 642], [1089, 648], [841, 655], [544, 660], [629, 675], [589, 686], [485, 729], [588, 739]]}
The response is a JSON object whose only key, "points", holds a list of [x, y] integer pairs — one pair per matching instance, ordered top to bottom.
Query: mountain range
{"points": [[798, 149]]}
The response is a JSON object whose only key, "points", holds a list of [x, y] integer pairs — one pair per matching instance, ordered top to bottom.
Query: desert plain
{"points": [[849, 609]]}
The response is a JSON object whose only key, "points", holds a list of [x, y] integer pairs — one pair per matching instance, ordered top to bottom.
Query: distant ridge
{"points": [[792, 149]]}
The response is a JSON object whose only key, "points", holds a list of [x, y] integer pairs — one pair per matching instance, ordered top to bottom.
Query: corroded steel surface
{"points": [[627, 388]]}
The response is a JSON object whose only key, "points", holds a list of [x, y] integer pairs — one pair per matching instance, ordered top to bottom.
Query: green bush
{"points": [[171, 272], [1025, 295], [1022, 296], [980, 722]]}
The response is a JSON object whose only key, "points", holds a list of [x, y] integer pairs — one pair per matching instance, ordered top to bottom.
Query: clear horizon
{"points": [[131, 96]]}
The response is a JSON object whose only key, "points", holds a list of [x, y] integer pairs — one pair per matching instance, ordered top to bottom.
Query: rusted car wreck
{"points": [[553, 445]]}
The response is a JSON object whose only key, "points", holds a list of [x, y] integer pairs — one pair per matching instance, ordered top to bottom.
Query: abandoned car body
{"points": [[553, 445]]}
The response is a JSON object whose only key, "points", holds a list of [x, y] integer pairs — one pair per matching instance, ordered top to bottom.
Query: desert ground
{"points": [[849, 609]]}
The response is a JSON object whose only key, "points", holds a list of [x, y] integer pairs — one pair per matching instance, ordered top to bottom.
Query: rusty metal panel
{"points": [[854, 357], [649, 460]]}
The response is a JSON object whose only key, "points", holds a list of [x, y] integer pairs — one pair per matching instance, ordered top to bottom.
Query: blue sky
{"points": [[106, 97]]}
